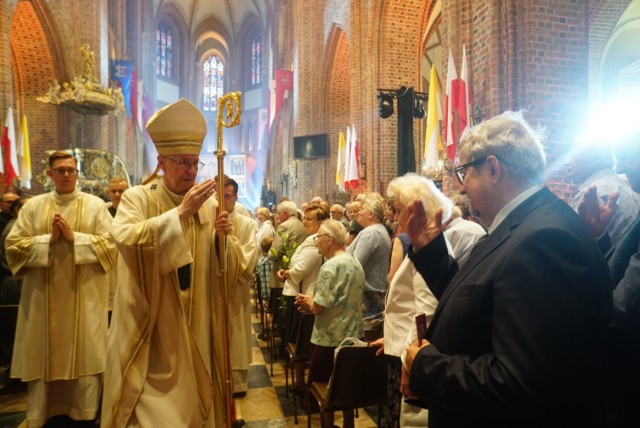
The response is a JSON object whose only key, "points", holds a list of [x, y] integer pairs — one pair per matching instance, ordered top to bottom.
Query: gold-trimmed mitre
{"points": [[177, 129]]}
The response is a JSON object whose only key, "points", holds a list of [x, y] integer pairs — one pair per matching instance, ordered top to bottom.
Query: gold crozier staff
{"points": [[229, 110]]}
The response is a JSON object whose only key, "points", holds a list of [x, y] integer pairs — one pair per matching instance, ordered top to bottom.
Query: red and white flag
{"points": [[450, 103], [463, 106], [8, 144], [347, 155], [351, 178]]}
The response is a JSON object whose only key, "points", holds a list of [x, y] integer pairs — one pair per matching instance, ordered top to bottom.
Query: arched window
{"points": [[164, 51], [256, 59], [213, 77]]}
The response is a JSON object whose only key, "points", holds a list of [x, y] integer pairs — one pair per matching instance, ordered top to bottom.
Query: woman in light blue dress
{"points": [[336, 303]]}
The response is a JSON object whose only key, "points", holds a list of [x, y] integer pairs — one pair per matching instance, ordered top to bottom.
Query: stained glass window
{"points": [[164, 51], [256, 59], [213, 77]]}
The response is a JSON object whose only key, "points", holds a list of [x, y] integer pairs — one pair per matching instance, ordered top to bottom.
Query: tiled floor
{"points": [[13, 404], [265, 405]]}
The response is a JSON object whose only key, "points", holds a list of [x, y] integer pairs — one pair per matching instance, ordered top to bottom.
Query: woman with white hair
{"points": [[265, 226], [372, 248], [407, 297], [336, 303]]}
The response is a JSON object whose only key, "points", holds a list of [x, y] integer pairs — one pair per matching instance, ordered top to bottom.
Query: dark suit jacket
{"points": [[624, 263], [518, 335], [624, 335]]}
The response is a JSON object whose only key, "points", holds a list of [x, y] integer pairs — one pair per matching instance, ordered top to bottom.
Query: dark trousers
{"points": [[623, 383]]}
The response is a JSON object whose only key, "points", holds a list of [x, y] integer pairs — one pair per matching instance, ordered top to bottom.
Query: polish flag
{"points": [[450, 103], [463, 107], [8, 144], [351, 178]]}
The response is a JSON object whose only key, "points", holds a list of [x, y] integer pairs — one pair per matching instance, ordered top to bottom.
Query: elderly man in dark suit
{"points": [[517, 337], [623, 395]]}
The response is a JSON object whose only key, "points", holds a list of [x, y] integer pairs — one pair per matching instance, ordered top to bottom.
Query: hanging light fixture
{"points": [[385, 104], [418, 105]]}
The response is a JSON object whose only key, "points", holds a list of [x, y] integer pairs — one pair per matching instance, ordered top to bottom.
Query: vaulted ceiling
{"points": [[230, 13]]}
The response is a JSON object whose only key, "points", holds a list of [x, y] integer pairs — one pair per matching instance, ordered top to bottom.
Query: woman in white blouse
{"points": [[301, 276], [408, 295]]}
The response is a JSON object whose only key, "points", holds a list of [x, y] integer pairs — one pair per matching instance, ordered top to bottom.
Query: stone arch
{"points": [[603, 17], [173, 18], [249, 27], [211, 37], [619, 52], [431, 53], [36, 60], [397, 64], [337, 97], [251, 134]]}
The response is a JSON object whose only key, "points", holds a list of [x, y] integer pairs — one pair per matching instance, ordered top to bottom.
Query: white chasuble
{"points": [[245, 230], [62, 319], [165, 363]]}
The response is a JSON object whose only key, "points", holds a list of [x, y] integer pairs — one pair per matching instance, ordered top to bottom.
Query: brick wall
{"points": [[45, 38], [398, 46], [530, 54], [33, 69], [6, 79], [338, 104], [310, 110]]}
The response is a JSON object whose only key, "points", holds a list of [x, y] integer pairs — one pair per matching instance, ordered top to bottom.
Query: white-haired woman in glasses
{"points": [[407, 297], [336, 303]]}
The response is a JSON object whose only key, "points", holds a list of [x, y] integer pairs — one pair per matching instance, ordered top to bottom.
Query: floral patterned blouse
{"points": [[338, 290]]}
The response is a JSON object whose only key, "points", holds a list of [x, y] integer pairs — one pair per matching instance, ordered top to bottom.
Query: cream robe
{"points": [[245, 230], [62, 319], [165, 365]]}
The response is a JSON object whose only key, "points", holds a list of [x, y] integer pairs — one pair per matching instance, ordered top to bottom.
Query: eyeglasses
{"points": [[186, 164], [460, 170], [63, 171], [336, 212], [309, 219], [317, 237]]}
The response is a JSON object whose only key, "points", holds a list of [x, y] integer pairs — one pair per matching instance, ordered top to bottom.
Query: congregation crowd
{"points": [[529, 304]]}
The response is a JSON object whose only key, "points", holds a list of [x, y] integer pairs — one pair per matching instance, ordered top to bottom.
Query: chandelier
{"points": [[84, 93]]}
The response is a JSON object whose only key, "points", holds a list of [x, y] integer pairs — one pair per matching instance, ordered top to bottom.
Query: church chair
{"points": [[256, 293], [260, 302], [8, 321], [272, 323], [298, 353], [358, 379]]}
